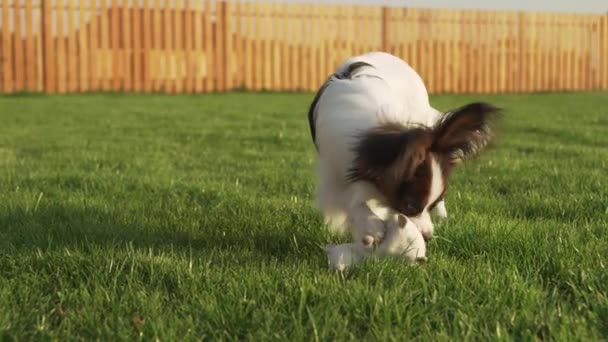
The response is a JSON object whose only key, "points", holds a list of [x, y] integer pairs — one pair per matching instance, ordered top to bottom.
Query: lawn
{"points": [[192, 218]]}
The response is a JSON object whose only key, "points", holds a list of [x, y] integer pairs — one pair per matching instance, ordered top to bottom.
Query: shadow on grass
{"points": [[60, 227]]}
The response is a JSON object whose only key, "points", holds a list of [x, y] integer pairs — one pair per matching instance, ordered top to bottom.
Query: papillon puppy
{"points": [[379, 139]]}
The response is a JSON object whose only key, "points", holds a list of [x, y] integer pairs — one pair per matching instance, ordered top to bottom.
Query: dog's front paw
{"points": [[440, 210], [374, 230]]}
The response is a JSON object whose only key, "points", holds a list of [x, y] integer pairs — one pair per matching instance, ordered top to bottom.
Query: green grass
{"points": [[191, 218]]}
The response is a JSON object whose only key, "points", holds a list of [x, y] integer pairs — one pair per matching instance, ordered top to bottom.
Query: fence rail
{"points": [[60, 46]]}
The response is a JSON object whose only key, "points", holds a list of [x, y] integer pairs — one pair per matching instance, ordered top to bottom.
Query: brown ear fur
{"points": [[465, 132], [390, 150]]}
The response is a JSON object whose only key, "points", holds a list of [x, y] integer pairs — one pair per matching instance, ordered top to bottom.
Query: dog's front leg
{"points": [[440, 210], [363, 221], [366, 227]]}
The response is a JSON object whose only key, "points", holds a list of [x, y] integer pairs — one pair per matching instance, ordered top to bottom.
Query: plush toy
{"points": [[402, 239], [343, 255]]}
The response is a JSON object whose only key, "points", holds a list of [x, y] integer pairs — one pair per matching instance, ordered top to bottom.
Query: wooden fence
{"points": [[176, 46]]}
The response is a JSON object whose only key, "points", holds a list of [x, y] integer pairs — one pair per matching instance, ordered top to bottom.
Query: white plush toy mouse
{"points": [[402, 239]]}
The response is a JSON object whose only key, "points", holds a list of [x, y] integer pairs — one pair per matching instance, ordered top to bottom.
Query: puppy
{"points": [[378, 137]]}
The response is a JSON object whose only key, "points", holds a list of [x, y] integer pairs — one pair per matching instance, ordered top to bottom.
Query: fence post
{"points": [[386, 19], [228, 41], [220, 45], [48, 53], [604, 53], [523, 64]]}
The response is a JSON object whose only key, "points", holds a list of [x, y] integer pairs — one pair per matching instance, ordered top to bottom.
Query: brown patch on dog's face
{"points": [[397, 160], [411, 195]]}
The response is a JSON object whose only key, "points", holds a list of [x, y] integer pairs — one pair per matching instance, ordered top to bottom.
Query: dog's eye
{"points": [[411, 208]]}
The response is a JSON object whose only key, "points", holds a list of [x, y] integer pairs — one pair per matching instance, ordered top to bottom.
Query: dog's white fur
{"points": [[390, 90]]}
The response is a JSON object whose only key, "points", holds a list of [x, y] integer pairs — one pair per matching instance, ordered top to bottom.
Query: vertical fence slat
{"points": [[349, 14], [398, 24], [314, 28], [324, 32], [445, 32], [146, 34], [504, 36], [248, 37], [137, 41], [228, 41], [333, 41], [565, 41], [542, 42], [254, 43], [575, 44], [239, 45], [463, 45], [83, 46], [290, 46], [295, 46], [188, 48], [178, 49], [449, 50], [455, 51], [532, 51], [30, 52], [61, 52], [126, 52], [585, 52], [604, 52], [48, 53], [266, 53], [552, 53], [594, 53], [563, 54], [220, 56], [198, 57], [275, 57], [465, 58], [72, 59], [104, 59], [7, 60], [156, 60], [559, 60], [19, 66], [286, 66], [491, 66], [303, 67], [166, 70], [117, 71], [93, 76], [579, 76], [442, 77], [208, 85]]}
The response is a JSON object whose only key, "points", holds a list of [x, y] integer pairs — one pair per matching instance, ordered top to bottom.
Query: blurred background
{"points": [[198, 46]]}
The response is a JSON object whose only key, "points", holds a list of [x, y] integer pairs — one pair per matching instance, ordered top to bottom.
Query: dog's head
{"points": [[411, 165]]}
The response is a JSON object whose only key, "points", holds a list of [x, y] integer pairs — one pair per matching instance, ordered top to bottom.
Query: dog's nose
{"points": [[427, 236]]}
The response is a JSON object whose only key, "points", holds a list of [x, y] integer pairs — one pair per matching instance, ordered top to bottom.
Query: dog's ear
{"points": [[463, 133], [390, 151], [401, 220]]}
